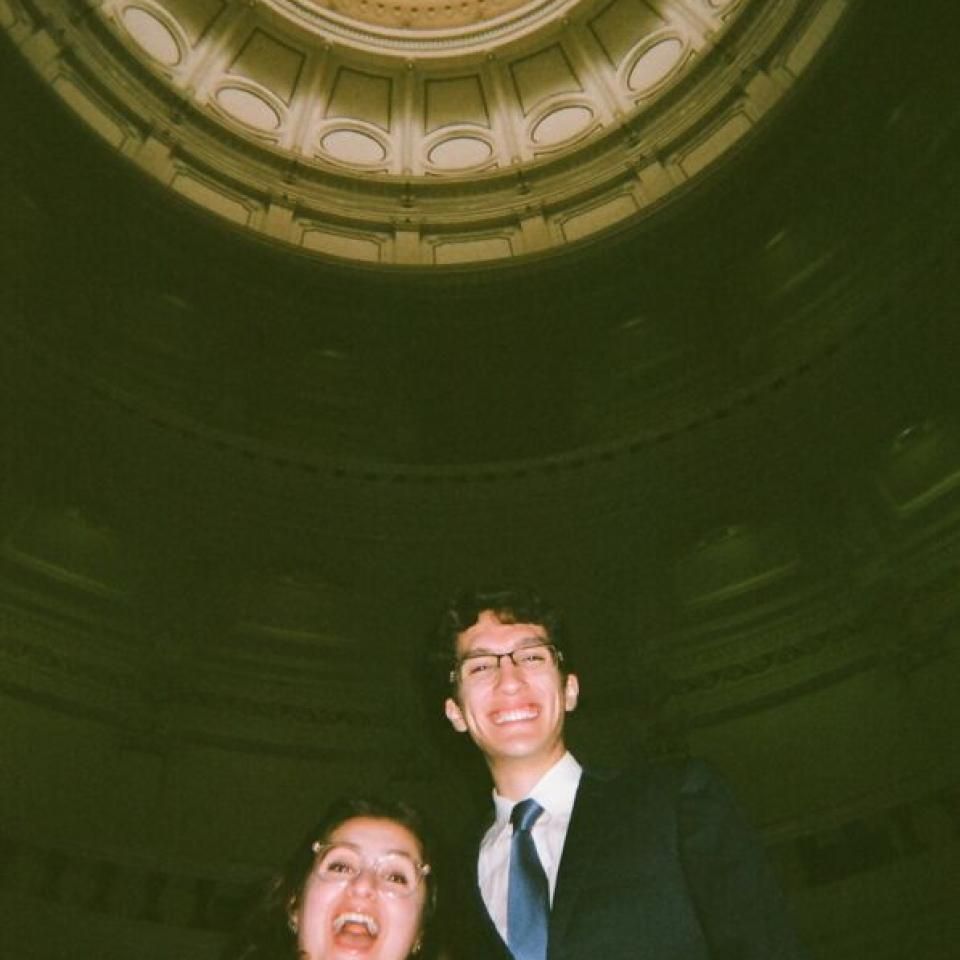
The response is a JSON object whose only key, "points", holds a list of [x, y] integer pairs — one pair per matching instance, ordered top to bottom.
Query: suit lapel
{"points": [[584, 838], [488, 932]]}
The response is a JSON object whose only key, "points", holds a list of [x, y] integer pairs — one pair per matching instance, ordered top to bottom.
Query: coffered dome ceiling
{"points": [[423, 131]]}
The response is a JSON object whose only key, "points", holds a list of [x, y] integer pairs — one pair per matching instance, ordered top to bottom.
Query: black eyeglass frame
{"points": [[455, 671]]}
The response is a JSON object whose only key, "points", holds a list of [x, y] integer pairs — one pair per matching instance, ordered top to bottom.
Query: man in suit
{"points": [[655, 863]]}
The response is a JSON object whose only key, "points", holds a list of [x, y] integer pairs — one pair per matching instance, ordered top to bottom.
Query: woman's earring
{"points": [[293, 923], [415, 949]]}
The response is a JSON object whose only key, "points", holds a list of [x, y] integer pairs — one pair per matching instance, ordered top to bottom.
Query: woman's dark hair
{"points": [[266, 934]]}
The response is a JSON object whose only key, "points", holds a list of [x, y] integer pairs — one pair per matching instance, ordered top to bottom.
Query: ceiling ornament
{"points": [[423, 133]]}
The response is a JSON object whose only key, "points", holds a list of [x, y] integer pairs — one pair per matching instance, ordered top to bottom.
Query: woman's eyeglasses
{"points": [[394, 874]]}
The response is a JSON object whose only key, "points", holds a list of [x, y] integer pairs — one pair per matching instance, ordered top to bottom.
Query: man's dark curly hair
{"points": [[509, 604]]}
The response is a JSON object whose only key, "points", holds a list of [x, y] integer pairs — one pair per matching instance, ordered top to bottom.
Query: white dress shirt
{"points": [[555, 792]]}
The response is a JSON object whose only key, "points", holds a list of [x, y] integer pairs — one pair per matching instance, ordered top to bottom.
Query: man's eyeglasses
{"points": [[529, 658], [394, 874]]}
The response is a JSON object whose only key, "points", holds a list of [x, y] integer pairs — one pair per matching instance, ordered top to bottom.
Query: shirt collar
{"points": [[555, 791]]}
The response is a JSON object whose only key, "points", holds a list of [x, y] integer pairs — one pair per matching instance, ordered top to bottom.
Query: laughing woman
{"points": [[360, 885]]}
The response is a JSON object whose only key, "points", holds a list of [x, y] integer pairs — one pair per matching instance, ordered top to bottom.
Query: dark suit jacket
{"points": [[657, 865]]}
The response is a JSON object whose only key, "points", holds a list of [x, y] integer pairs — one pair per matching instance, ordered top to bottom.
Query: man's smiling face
{"points": [[512, 714]]}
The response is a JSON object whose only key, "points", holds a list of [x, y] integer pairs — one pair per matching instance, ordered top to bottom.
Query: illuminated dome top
{"points": [[417, 15], [423, 132]]}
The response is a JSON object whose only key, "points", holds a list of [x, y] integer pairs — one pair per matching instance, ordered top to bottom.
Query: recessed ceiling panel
{"points": [[195, 16], [622, 25], [271, 63], [547, 73], [363, 96], [454, 100], [715, 143], [212, 197], [596, 216], [349, 246], [472, 251]]}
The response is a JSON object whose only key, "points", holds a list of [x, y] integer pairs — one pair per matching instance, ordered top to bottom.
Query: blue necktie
{"points": [[528, 896]]}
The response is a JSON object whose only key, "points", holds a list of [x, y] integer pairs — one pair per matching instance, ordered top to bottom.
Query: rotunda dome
{"points": [[424, 132]]}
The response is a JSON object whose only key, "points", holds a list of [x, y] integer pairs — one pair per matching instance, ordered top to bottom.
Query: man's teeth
{"points": [[521, 713], [361, 919]]}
